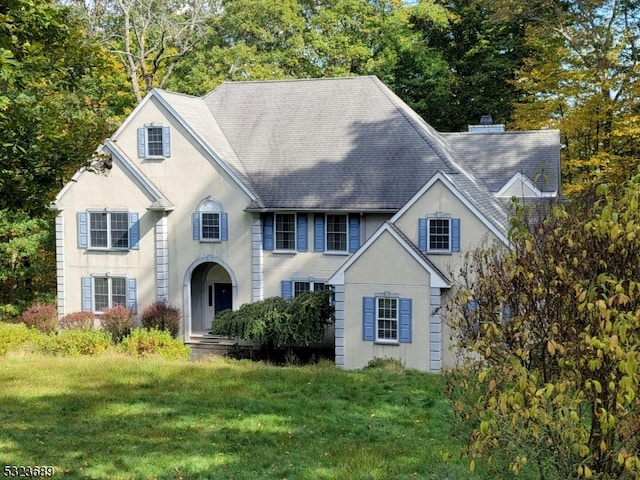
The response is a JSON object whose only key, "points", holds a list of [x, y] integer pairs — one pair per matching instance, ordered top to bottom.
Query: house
{"points": [[274, 188]]}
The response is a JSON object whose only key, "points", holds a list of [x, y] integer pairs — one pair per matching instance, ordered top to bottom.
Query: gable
{"points": [[522, 187], [440, 197], [387, 251]]}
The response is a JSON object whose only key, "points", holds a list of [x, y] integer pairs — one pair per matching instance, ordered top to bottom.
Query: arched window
{"points": [[210, 222]]}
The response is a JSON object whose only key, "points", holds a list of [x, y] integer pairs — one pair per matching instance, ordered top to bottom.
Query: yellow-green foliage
{"points": [[552, 329], [17, 337], [143, 342], [72, 343]]}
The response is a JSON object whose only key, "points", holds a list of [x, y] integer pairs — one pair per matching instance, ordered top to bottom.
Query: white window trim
{"points": [[146, 136], [275, 233], [326, 234], [202, 237], [109, 238], [438, 250], [109, 278], [311, 281], [388, 341]]}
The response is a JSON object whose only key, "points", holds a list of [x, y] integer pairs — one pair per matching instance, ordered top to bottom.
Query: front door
{"points": [[222, 297]]}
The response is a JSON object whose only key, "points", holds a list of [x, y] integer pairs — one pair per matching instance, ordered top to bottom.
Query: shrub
{"points": [[162, 316], [42, 317], [77, 321], [118, 321], [274, 322], [16, 337], [77, 342], [143, 342], [385, 364]]}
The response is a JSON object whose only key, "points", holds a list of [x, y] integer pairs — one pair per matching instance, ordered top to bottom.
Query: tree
{"points": [[150, 37], [482, 54], [581, 77], [54, 112], [551, 328]]}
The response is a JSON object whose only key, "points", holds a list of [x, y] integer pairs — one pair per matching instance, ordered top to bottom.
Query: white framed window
{"points": [[154, 142], [210, 223], [209, 226], [109, 230], [285, 230], [440, 234], [337, 236], [302, 287], [109, 292], [386, 319]]}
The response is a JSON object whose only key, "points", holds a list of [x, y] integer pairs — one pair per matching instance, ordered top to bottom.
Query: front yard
{"points": [[114, 417]]}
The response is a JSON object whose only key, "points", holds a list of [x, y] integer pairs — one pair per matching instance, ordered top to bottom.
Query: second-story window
{"points": [[109, 229], [285, 231], [337, 233]]}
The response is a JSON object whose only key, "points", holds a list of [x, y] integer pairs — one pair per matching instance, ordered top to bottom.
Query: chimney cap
{"points": [[486, 120]]}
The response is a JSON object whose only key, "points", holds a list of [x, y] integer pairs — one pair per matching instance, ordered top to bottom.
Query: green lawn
{"points": [[120, 417]]}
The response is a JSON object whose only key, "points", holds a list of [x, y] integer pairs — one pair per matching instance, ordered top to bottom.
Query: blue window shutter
{"points": [[142, 142], [166, 142], [196, 225], [224, 226], [83, 229], [134, 231], [267, 231], [301, 232], [354, 232], [318, 233], [422, 234], [455, 234], [286, 287], [87, 297], [132, 297], [368, 319], [405, 320]]}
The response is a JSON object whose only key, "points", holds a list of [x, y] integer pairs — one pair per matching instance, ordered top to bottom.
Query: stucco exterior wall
{"points": [[439, 200], [386, 267]]}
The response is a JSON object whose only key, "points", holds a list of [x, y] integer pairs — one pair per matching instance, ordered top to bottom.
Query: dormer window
{"points": [[154, 142]]}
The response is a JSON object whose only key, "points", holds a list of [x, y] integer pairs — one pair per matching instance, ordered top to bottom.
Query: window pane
{"points": [[154, 141], [98, 225], [210, 226], [120, 230], [285, 231], [337, 233], [439, 234], [301, 287], [317, 287], [118, 291], [101, 293], [387, 318]]}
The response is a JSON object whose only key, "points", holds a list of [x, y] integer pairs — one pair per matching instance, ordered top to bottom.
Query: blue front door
{"points": [[222, 297]]}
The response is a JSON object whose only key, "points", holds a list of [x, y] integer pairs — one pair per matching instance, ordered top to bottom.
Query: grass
{"points": [[118, 417]]}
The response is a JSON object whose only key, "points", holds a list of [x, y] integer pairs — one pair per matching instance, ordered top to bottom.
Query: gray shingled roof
{"points": [[346, 143], [352, 144], [495, 158]]}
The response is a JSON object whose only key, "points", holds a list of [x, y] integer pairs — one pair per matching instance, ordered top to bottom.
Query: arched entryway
{"points": [[209, 288]]}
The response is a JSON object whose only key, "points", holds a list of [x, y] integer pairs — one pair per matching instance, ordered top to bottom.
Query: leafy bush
{"points": [[162, 316], [42, 317], [77, 321], [118, 321], [274, 322], [15, 337], [77, 342], [143, 342], [385, 364]]}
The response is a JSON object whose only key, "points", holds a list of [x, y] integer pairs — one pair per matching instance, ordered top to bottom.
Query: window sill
{"points": [[154, 159], [210, 240], [107, 250], [284, 252], [438, 252], [336, 253], [391, 343]]}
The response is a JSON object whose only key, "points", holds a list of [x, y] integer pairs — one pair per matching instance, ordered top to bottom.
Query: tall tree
{"points": [[150, 37], [481, 54], [582, 78], [54, 102]]}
